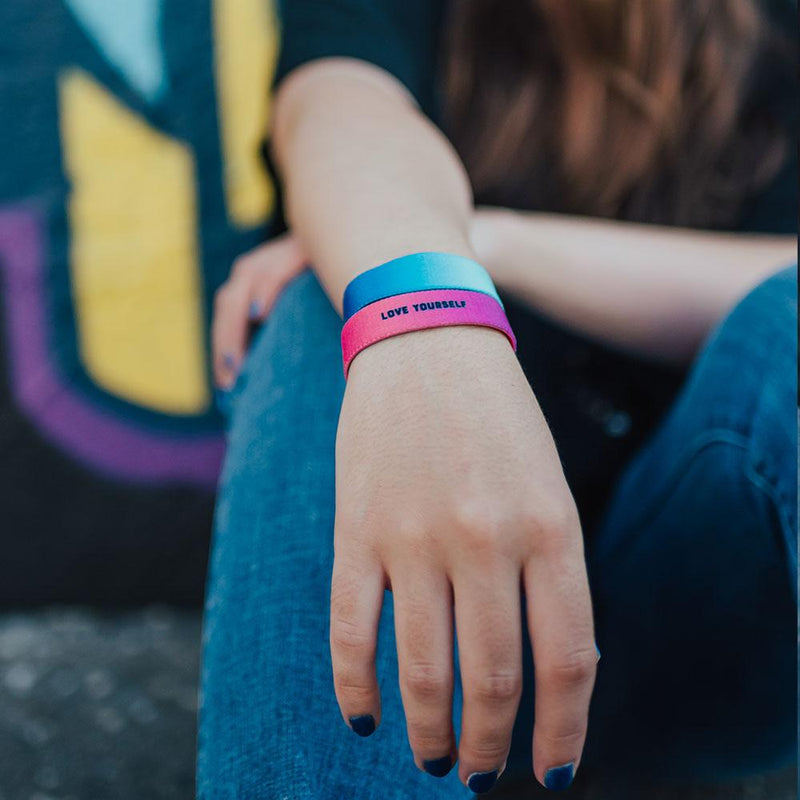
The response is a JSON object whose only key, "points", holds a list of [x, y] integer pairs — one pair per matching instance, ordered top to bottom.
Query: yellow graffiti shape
{"points": [[246, 45], [133, 229]]}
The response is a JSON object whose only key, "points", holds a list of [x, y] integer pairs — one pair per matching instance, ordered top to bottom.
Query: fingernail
{"points": [[255, 310], [229, 361], [598, 651], [363, 725], [438, 767], [559, 778], [480, 782]]}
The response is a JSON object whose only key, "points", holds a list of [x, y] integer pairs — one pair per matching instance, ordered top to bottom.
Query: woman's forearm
{"points": [[367, 177], [653, 290], [448, 483]]}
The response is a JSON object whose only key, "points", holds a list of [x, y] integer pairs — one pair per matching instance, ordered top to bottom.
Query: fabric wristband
{"points": [[413, 273], [414, 311]]}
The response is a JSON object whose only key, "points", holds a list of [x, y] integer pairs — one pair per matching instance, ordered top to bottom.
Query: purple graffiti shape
{"points": [[89, 434]]}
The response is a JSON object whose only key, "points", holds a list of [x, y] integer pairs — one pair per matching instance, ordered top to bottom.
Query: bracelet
{"points": [[413, 273], [414, 311]]}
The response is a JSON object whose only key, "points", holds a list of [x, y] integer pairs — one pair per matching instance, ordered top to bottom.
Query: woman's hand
{"points": [[247, 297], [450, 492]]}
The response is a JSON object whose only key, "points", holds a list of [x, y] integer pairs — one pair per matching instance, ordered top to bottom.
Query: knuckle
{"points": [[241, 265], [221, 296], [478, 519], [558, 524], [350, 533], [494, 533], [412, 537], [482, 537], [344, 586], [347, 635], [570, 671], [426, 681], [497, 688], [358, 692], [427, 737], [566, 738], [485, 749]]}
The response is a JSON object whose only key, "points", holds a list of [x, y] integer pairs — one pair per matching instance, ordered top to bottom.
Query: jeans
{"points": [[692, 569]]}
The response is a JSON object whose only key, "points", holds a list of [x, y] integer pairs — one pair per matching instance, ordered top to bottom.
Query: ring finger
{"points": [[423, 611], [489, 625]]}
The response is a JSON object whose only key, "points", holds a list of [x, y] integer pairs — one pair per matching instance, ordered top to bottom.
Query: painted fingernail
{"points": [[255, 310], [229, 361], [599, 656], [363, 725], [438, 767], [559, 778], [480, 782]]}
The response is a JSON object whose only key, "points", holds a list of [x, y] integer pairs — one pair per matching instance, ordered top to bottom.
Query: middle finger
{"points": [[423, 610]]}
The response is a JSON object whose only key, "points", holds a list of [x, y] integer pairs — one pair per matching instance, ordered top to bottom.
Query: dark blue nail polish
{"points": [[255, 310], [599, 656], [363, 725], [438, 767], [559, 778], [480, 782]]}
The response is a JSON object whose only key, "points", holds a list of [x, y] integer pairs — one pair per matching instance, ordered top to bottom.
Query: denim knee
{"points": [[295, 347], [752, 357], [291, 380], [743, 389], [701, 528], [270, 565], [695, 618]]}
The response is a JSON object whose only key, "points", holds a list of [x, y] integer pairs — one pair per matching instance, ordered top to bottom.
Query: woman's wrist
{"points": [[492, 236], [417, 292], [434, 350]]}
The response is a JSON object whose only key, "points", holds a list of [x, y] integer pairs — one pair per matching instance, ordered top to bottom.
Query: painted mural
{"points": [[132, 176]]}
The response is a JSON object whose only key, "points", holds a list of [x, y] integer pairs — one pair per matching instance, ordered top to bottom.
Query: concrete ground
{"points": [[98, 706]]}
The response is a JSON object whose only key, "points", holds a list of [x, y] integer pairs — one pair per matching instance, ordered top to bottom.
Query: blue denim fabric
{"points": [[694, 569], [693, 574]]}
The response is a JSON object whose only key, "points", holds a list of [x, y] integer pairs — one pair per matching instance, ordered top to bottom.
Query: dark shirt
{"points": [[401, 36], [405, 38], [600, 403]]}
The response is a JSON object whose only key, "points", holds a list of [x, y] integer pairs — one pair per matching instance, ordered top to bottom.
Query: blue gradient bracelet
{"points": [[414, 273]]}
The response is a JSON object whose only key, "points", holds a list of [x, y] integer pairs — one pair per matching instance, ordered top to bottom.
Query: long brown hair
{"points": [[638, 109]]}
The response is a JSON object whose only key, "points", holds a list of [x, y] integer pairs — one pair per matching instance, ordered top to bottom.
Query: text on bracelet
{"points": [[437, 304]]}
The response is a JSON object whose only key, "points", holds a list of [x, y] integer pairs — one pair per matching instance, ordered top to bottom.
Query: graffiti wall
{"points": [[132, 175]]}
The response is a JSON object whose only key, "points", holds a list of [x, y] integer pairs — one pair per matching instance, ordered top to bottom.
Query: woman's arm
{"points": [[367, 176], [654, 290], [448, 485]]}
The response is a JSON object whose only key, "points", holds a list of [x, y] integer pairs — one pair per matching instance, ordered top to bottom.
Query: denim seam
{"points": [[702, 442], [752, 473], [770, 487], [777, 498]]}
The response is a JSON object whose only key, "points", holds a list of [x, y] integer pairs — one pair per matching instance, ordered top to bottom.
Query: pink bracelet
{"points": [[415, 311]]}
